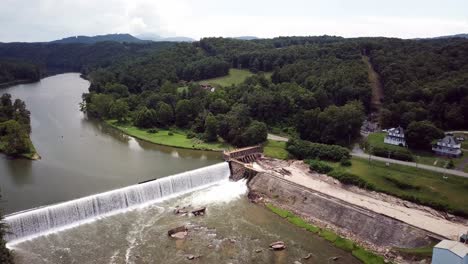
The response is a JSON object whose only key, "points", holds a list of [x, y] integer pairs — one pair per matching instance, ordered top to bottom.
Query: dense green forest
{"points": [[11, 71], [318, 89], [15, 127]]}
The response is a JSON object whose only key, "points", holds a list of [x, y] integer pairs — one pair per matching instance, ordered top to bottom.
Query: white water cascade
{"points": [[44, 219]]}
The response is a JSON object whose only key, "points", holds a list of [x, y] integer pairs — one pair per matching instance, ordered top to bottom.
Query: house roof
{"points": [[397, 130], [449, 139], [455, 247]]}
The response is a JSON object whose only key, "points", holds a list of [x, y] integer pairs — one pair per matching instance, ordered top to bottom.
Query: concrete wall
{"points": [[366, 225]]}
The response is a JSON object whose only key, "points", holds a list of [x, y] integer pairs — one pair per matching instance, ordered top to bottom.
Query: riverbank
{"points": [[13, 83], [168, 137], [30, 154], [378, 222], [347, 245]]}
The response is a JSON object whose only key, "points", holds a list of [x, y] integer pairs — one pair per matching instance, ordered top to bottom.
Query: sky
{"points": [[45, 20]]}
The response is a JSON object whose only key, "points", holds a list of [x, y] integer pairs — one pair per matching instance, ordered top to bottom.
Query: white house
{"points": [[395, 136], [448, 146], [450, 252]]}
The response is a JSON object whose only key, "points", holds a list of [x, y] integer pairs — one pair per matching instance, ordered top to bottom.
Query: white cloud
{"points": [[41, 20]]}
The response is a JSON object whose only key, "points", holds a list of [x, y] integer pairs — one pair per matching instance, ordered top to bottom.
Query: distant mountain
{"points": [[453, 36], [246, 37], [157, 38], [91, 40]]}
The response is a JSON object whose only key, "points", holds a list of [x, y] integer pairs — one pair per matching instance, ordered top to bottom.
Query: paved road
{"points": [[277, 138], [412, 164]]}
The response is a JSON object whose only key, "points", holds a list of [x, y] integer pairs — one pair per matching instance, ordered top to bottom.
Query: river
{"points": [[82, 157]]}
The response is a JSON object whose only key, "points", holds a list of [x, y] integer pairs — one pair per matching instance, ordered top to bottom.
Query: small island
{"points": [[15, 128]]}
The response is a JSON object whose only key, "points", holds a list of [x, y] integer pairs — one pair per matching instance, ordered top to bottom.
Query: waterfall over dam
{"points": [[43, 219]]}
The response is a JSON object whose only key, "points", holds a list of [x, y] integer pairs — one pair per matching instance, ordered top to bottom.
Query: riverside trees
{"points": [[15, 127]]}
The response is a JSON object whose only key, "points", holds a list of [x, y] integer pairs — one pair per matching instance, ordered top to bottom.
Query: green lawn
{"points": [[235, 76], [177, 139], [275, 149], [415, 184]]}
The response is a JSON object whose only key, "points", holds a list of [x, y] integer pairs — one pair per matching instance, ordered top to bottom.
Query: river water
{"points": [[80, 156], [83, 157]]}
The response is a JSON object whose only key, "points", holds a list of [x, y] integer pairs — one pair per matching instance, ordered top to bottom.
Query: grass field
{"points": [[235, 76], [162, 137], [377, 140], [275, 149], [427, 187]]}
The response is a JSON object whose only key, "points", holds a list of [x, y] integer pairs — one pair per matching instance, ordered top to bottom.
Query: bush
{"points": [[153, 131], [170, 133], [191, 134], [302, 149], [402, 154], [345, 162], [319, 166], [349, 178], [400, 184]]}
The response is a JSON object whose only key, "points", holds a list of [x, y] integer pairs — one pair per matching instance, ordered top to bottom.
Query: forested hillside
{"points": [[11, 71], [318, 88]]}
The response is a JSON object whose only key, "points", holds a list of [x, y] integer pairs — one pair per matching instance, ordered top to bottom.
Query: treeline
{"points": [[11, 71], [423, 80], [318, 87], [15, 127]]}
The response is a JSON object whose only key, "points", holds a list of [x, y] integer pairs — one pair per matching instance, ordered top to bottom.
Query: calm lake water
{"points": [[80, 156]]}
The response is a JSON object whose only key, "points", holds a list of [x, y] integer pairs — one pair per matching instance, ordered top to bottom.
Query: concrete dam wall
{"points": [[368, 226]]}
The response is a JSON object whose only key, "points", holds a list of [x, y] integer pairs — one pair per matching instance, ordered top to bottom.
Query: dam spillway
{"points": [[44, 219]]}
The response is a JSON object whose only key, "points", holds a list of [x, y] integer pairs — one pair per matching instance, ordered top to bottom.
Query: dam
{"points": [[48, 218]]}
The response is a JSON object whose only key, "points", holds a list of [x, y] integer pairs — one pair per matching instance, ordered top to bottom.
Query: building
{"points": [[395, 136], [448, 146], [450, 252]]}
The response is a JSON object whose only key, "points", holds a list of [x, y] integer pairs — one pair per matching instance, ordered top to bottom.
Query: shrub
{"points": [[153, 131], [170, 133], [191, 134], [302, 149], [402, 154], [345, 162], [319, 166], [349, 178], [400, 184]]}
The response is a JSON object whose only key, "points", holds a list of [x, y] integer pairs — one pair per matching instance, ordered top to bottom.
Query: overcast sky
{"points": [[44, 20]]}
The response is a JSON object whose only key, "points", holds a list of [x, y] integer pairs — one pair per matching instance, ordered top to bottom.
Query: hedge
{"points": [[302, 149], [403, 154], [319, 166]]}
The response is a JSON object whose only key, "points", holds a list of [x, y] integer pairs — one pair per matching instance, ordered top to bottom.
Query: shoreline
{"points": [[140, 137]]}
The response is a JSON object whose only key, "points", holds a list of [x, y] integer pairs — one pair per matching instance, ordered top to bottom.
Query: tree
{"points": [[219, 106], [119, 110], [184, 113], [164, 114], [145, 118], [211, 127], [255, 133], [419, 135], [16, 138]]}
